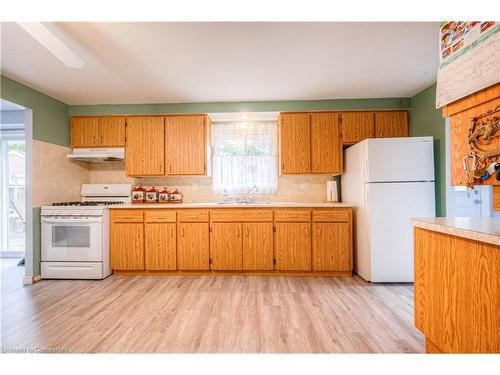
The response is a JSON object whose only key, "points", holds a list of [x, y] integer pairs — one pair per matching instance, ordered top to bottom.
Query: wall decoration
{"points": [[469, 59], [483, 162]]}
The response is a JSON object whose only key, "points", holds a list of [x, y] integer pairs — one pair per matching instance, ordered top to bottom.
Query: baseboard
{"points": [[237, 273], [28, 280]]}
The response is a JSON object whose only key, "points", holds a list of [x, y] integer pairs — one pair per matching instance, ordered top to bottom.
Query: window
{"points": [[244, 156]]}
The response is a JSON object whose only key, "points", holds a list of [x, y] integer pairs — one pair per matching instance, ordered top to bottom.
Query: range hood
{"points": [[97, 155]]}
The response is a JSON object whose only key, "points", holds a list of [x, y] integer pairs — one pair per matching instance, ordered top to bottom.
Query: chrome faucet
{"points": [[245, 199]]}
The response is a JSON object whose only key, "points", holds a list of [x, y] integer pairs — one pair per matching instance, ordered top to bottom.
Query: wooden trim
{"points": [[473, 100], [349, 111], [143, 115], [496, 198], [249, 273], [431, 348]]}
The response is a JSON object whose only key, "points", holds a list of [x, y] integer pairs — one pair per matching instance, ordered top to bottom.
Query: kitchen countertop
{"points": [[232, 205], [478, 229]]}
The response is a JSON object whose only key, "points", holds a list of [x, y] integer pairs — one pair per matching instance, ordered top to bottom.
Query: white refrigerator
{"points": [[390, 181]]}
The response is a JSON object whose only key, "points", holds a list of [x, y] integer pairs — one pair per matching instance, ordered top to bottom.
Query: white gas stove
{"points": [[75, 235]]}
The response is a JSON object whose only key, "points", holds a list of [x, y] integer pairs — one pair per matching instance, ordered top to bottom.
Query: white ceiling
{"points": [[205, 62]]}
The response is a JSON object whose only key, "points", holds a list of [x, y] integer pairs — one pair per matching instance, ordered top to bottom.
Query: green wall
{"points": [[213, 107], [50, 116], [426, 120], [50, 124]]}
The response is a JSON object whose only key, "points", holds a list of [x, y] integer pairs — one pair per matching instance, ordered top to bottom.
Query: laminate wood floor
{"points": [[211, 314]]}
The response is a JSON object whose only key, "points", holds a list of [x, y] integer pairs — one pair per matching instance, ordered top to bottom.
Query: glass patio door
{"points": [[13, 212]]}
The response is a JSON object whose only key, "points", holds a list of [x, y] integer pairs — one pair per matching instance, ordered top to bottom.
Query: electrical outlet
{"points": [[304, 187], [194, 188]]}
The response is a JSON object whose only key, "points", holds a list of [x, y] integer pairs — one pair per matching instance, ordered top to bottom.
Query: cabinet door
{"points": [[391, 124], [357, 126], [111, 131], [84, 132], [295, 143], [185, 145], [145, 149], [326, 149], [127, 246], [160, 246], [192, 246], [225, 246], [258, 246], [293, 246], [332, 250]]}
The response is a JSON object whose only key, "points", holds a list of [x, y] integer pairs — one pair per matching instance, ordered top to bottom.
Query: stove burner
{"points": [[89, 203]]}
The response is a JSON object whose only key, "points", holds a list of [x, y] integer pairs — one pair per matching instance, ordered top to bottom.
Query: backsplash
{"points": [[199, 188]]}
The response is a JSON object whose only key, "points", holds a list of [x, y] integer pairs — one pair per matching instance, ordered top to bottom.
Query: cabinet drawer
{"points": [[245, 215], [292, 215], [127, 216], [160, 216], [192, 216], [332, 216]]}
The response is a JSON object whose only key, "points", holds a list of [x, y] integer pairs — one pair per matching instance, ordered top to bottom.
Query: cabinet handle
{"points": [[102, 139], [95, 141], [283, 166], [127, 217], [160, 217], [193, 217], [247, 231], [238, 232], [307, 232], [319, 232], [171, 233]]}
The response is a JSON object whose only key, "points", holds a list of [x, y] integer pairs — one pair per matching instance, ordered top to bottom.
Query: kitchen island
{"points": [[232, 238], [457, 284]]}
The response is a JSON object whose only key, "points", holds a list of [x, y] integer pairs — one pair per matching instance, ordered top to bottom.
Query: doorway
{"points": [[15, 157]]}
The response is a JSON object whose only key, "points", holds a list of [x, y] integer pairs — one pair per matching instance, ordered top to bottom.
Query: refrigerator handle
{"points": [[366, 169], [366, 198]]}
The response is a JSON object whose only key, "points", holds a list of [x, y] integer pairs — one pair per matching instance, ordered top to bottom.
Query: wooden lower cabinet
{"points": [[253, 240], [160, 245], [127, 246], [192, 246], [257, 246], [293, 246], [226, 247], [331, 247], [456, 293]]}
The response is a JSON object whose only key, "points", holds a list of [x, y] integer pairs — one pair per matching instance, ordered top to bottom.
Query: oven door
{"points": [[71, 239]]}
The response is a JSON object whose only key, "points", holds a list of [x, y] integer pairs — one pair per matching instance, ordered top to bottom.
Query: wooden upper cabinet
{"points": [[391, 124], [356, 126], [102, 131], [111, 131], [84, 132], [295, 143], [186, 144], [145, 150], [326, 150]]}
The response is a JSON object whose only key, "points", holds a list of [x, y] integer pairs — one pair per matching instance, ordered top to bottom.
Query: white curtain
{"points": [[244, 156]]}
